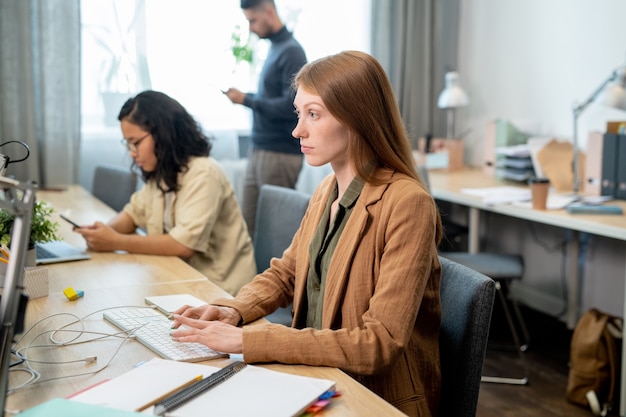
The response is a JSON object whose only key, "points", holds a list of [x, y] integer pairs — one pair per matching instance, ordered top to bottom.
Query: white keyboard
{"points": [[153, 330]]}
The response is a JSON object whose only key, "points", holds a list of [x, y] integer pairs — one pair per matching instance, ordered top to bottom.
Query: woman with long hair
{"points": [[362, 270]]}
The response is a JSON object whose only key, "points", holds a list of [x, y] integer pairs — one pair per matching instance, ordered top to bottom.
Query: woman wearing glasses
{"points": [[187, 206]]}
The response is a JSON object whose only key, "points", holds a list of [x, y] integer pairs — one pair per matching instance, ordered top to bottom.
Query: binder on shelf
{"points": [[499, 133], [593, 164], [608, 186]]}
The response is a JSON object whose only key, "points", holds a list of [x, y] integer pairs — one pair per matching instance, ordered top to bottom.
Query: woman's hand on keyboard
{"points": [[226, 315], [217, 335]]}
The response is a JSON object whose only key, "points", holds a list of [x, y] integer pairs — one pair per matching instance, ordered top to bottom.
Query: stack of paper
{"points": [[515, 163], [499, 195]]}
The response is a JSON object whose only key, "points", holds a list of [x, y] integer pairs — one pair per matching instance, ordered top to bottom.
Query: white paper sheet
{"points": [[170, 303]]}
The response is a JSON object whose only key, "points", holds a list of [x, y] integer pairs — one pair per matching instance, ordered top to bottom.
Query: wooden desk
{"points": [[447, 186], [104, 269], [121, 279]]}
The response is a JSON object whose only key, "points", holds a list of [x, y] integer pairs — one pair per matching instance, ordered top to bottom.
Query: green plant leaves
{"points": [[42, 229]]}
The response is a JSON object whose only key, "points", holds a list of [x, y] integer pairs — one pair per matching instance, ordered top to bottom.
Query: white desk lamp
{"points": [[613, 96], [450, 98]]}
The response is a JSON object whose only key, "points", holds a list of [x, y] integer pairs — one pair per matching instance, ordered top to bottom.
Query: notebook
{"points": [[58, 251], [254, 391], [69, 408]]}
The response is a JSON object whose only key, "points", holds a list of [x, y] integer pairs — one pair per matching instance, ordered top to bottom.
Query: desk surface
{"points": [[448, 185], [122, 279]]}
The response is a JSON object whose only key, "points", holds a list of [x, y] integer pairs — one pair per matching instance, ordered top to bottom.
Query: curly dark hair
{"points": [[176, 134]]}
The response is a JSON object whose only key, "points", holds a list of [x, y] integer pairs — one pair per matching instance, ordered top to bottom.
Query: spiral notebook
{"points": [[251, 391]]}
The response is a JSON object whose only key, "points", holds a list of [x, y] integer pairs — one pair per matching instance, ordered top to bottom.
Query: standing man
{"points": [[275, 156]]}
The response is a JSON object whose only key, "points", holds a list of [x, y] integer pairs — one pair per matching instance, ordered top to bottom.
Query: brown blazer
{"points": [[381, 309]]}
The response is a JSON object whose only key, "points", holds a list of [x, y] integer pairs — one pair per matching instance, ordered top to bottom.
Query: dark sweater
{"points": [[272, 105]]}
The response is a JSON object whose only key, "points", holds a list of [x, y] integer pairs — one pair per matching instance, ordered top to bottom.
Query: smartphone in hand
{"points": [[70, 221]]}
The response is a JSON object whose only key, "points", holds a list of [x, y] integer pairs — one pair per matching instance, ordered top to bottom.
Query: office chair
{"points": [[114, 185], [278, 217], [502, 268], [467, 299]]}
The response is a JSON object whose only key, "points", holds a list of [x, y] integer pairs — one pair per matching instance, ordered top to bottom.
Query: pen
{"points": [[167, 394], [176, 400]]}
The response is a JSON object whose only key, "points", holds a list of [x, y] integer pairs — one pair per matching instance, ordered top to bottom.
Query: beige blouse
{"points": [[203, 215]]}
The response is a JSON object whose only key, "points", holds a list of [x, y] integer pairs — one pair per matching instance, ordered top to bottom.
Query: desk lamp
{"points": [[613, 96], [450, 98]]}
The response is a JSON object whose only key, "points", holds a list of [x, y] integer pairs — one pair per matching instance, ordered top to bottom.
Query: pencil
{"points": [[6, 261], [168, 394]]}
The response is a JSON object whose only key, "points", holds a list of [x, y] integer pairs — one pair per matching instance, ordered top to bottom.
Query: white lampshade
{"points": [[452, 95], [614, 95]]}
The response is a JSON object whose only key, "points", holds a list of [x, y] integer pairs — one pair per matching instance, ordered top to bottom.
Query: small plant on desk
{"points": [[42, 228]]}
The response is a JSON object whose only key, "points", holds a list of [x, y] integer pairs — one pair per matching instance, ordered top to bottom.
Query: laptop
{"points": [[58, 251]]}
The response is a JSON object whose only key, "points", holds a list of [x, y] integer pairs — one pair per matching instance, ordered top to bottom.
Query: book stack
{"points": [[514, 163]]}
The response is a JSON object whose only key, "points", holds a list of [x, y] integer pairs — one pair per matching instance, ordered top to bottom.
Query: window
{"points": [[183, 48]]}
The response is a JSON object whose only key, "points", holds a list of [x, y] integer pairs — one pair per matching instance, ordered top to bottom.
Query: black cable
{"points": [[21, 143], [19, 361]]}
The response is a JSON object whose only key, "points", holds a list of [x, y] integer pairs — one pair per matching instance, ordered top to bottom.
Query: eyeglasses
{"points": [[132, 147]]}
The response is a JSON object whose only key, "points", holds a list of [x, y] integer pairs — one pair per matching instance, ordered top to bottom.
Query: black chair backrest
{"points": [[278, 216], [466, 305]]}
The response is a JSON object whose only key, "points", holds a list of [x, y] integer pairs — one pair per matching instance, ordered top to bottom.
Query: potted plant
{"points": [[242, 52], [124, 67], [42, 228]]}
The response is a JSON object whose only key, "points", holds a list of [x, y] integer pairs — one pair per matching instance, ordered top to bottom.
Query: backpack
{"points": [[595, 362]]}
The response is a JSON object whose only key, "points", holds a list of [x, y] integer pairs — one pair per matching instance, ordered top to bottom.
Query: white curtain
{"points": [[416, 42], [40, 88]]}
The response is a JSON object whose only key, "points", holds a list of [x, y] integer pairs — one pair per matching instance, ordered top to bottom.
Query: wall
{"points": [[529, 61], [104, 148]]}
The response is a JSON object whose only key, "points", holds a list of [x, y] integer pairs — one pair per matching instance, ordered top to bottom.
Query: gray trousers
{"points": [[266, 167]]}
